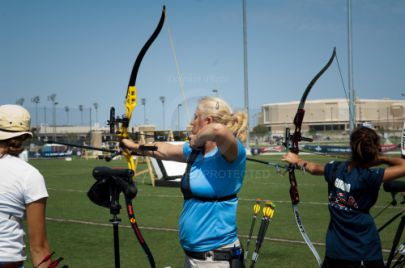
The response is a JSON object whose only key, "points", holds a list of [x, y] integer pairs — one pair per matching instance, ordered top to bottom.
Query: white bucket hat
{"points": [[14, 121]]}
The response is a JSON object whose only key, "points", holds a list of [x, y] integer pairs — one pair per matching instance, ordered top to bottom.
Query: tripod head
{"points": [[108, 186]]}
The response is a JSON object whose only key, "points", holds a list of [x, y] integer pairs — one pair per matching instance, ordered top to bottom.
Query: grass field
{"points": [[80, 231]]}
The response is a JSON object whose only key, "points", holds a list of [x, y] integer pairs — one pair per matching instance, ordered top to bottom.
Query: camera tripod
{"points": [[106, 191]]}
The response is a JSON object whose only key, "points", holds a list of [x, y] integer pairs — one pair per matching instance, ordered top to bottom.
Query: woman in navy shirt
{"points": [[352, 238]]}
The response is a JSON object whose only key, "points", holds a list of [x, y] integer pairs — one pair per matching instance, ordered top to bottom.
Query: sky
{"points": [[83, 51]]}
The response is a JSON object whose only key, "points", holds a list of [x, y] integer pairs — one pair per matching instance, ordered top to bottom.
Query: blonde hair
{"points": [[222, 113]]}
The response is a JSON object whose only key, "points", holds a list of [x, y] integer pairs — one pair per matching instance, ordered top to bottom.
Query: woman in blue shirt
{"points": [[216, 162], [352, 238]]}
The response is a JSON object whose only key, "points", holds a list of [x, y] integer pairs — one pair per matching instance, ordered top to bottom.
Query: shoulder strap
{"points": [[185, 180], [186, 188]]}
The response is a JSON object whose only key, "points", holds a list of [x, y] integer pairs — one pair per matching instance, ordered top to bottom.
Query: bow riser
{"points": [[130, 104], [296, 137], [294, 195]]}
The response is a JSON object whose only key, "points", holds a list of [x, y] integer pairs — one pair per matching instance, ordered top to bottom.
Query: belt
{"points": [[10, 217], [217, 254], [339, 262], [11, 264]]}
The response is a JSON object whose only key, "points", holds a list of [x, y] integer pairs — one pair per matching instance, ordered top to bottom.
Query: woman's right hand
{"points": [[194, 144]]}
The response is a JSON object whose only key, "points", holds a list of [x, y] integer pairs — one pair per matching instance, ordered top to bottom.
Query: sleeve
{"points": [[186, 150], [241, 153], [240, 159], [328, 170], [376, 177], [35, 187]]}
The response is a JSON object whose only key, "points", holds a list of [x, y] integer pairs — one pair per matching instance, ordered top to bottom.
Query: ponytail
{"points": [[221, 112], [365, 145]]}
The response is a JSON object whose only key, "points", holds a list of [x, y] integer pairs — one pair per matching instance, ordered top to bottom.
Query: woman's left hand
{"points": [[129, 144], [290, 158]]}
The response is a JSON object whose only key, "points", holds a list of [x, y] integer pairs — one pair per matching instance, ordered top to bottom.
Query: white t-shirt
{"points": [[24, 155], [20, 184]]}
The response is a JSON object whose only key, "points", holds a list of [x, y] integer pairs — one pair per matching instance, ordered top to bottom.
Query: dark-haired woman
{"points": [[22, 194], [352, 238]]}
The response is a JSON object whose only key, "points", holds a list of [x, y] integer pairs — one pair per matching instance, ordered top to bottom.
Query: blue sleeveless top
{"points": [[204, 226]]}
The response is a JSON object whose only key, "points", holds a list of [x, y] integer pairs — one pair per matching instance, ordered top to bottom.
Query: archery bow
{"points": [[130, 98], [123, 123], [291, 143]]}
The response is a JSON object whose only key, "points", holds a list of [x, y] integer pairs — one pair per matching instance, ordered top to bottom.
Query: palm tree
{"points": [[36, 100], [96, 108], [67, 114], [81, 114]]}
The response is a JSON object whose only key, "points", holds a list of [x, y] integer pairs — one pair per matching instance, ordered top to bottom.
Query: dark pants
{"points": [[337, 263], [11, 264]]}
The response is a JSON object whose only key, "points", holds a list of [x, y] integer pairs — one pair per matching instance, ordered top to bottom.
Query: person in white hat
{"points": [[23, 194]]}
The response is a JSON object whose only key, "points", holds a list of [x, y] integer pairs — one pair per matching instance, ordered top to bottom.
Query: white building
{"points": [[333, 114]]}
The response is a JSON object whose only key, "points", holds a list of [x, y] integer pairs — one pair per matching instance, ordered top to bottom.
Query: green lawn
{"points": [[80, 231]]}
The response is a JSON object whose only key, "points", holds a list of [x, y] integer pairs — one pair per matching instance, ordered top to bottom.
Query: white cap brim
{"points": [[5, 135]]}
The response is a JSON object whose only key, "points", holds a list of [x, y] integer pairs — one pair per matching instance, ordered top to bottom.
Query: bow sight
{"points": [[117, 123], [290, 139]]}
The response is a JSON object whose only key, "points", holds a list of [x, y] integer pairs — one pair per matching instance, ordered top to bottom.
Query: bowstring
{"points": [[178, 71], [341, 77], [343, 83]]}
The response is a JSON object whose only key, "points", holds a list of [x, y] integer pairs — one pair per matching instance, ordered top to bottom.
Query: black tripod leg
{"points": [[115, 210], [389, 222], [395, 243], [116, 244]]}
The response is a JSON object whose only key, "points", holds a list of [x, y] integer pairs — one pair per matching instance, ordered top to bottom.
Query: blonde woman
{"points": [[214, 175]]}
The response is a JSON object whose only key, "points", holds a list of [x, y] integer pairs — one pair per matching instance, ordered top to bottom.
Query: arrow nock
{"points": [[256, 207], [268, 210]]}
